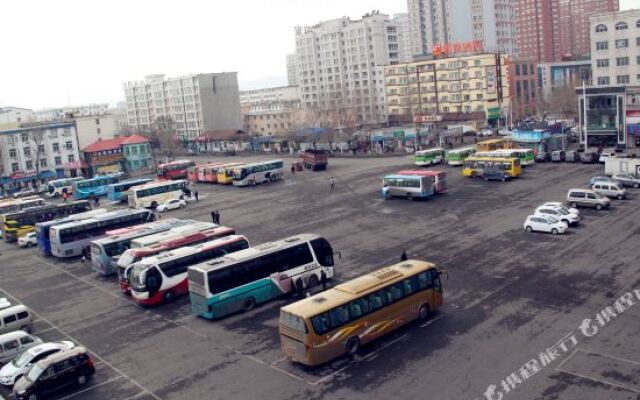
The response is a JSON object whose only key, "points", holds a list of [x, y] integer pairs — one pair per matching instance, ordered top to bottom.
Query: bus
{"points": [[491, 144], [430, 156], [457, 156], [526, 156], [473, 166], [175, 169], [210, 172], [262, 172], [192, 173], [225, 173], [440, 178], [97, 186], [408, 186], [58, 187], [119, 191], [153, 194], [10, 206], [22, 222], [42, 228], [73, 238], [187, 238], [105, 250], [159, 279], [240, 281], [340, 320]]}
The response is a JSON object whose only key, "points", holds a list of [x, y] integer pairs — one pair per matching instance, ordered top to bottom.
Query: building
{"points": [[429, 24], [535, 30], [405, 43], [615, 48], [337, 65], [292, 70], [559, 75], [524, 85], [466, 88], [195, 103], [272, 111], [62, 113], [13, 117], [94, 128], [37, 152], [120, 154]]}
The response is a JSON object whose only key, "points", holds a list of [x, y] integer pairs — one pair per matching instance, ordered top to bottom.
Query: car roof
{"points": [[13, 335], [35, 350], [62, 355]]}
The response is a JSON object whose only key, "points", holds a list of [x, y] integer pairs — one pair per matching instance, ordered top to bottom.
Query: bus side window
{"points": [[436, 280], [424, 281], [376, 300], [359, 307], [339, 315], [321, 323]]}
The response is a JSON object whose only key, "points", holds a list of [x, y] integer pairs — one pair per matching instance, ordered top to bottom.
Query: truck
{"points": [[315, 160], [621, 165]]}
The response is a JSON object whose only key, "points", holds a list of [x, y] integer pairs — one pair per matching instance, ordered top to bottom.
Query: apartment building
{"points": [[430, 23], [405, 42], [615, 48], [337, 64], [292, 70], [466, 88], [196, 104], [271, 111], [62, 113], [13, 117]]}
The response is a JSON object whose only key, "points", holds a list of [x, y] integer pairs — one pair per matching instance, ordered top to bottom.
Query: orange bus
{"points": [[338, 321]]}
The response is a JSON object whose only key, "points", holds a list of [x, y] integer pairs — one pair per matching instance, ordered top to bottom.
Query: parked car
{"points": [[485, 132], [542, 156], [558, 156], [571, 156], [603, 157], [588, 158], [494, 174], [601, 178], [628, 180], [610, 189], [24, 192], [587, 198], [558, 204], [172, 205], [558, 213], [538, 223], [28, 240], [4, 303], [16, 317], [14, 343], [65, 368], [15, 369]]}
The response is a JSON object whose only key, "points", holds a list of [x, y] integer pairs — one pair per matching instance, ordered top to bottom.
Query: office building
{"points": [[430, 23], [560, 75], [63, 113]]}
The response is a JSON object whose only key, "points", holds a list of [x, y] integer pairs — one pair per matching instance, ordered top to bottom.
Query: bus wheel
{"points": [[312, 281], [168, 296], [248, 304], [423, 312], [352, 346]]}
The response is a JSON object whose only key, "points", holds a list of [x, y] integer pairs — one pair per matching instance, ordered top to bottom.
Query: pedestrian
{"points": [[293, 169], [332, 182], [196, 194], [96, 200], [213, 217], [218, 217], [403, 256], [83, 259], [323, 280], [299, 288]]}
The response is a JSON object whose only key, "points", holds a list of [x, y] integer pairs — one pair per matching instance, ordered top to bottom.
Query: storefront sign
{"points": [[457, 48], [425, 119]]}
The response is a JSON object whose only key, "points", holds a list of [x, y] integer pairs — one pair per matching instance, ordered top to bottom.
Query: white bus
{"points": [[457, 156], [263, 172], [57, 187], [153, 194], [173, 234]]}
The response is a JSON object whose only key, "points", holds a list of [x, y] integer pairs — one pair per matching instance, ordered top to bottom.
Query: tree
{"points": [[562, 101], [163, 133], [36, 135]]}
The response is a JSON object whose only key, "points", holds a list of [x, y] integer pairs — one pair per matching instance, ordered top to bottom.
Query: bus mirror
{"points": [[339, 254], [444, 272]]}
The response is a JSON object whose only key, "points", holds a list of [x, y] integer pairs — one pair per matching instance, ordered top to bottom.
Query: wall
{"points": [[220, 99], [91, 129]]}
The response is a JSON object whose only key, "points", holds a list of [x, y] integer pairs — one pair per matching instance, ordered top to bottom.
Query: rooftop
{"points": [[115, 143]]}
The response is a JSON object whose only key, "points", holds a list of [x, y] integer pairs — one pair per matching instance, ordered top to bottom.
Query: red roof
{"points": [[136, 139], [115, 143]]}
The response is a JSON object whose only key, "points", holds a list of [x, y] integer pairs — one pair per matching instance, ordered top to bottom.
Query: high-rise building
{"points": [[429, 24], [535, 30], [405, 43], [337, 64], [292, 70], [197, 104]]}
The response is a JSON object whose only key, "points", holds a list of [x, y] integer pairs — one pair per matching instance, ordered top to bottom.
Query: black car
{"points": [[589, 158], [494, 174], [65, 368]]}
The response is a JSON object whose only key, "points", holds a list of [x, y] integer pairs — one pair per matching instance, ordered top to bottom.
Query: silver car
{"points": [[628, 180], [609, 189]]}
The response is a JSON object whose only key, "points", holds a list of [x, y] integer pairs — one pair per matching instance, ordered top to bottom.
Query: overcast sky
{"points": [[65, 52]]}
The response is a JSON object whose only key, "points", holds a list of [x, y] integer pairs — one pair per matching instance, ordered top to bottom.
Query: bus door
{"points": [[437, 289]]}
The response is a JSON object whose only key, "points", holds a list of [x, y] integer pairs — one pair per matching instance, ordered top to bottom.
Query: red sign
{"points": [[457, 48], [425, 119], [20, 175]]}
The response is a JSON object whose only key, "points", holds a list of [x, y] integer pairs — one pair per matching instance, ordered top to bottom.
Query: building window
{"points": [[638, 24], [620, 26], [601, 28], [622, 43], [602, 45], [622, 61], [602, 63], [517, 69], [622, 79], [603, 80], [25, 138], [68, 145], [56, 147], [41, 148], [27, 152], [12, 153], [70, 158], [58, 161], [43, 162], [29, 165], [15, 167]]}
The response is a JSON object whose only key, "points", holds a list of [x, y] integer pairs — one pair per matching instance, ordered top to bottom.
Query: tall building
{"points": [[429, 24], [405, 42], [337, 64], [292, 70], [197, 104], [270, 112], [62, 113]]}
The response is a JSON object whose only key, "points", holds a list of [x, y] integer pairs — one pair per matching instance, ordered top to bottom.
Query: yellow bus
{"points": [[473, 166], [225, 173], [338, 321]]}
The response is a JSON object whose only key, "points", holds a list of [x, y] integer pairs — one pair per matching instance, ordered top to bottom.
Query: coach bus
{"points": [[457, 156], [429, 157], [474, 166], [175, 169], [262, 172], [192, 173], [225, 173], [440, 178], [96, 186], [408, 186], [58, 187], [119, 191], [153, 194], [10, 206], [22, 222], [42, 228], [187, 237], [73, 238], [104, 250], [159, 279], [240, 281], [340, 320]]}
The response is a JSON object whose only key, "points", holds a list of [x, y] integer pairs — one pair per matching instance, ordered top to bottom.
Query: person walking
{"points": [[293, 169], [332, 182], [196, 194], [96, 200], [213, 217], [218, 217], [403, 256], [323, 280]]}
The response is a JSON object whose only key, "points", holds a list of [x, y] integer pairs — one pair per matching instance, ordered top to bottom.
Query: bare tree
{"points": [[562, 101], [163, 133], [36, 135]]}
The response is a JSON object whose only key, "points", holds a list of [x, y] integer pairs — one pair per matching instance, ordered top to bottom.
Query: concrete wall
{"points": [[220, 98], [92, 129]]}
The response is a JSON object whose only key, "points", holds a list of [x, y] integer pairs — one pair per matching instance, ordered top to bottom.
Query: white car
{"points": [[486, 132], [604, 156], [24, 192], [558, 204], [171, 205], [557, 213], [544, 224], [28, 240], [4, 303], [13, 370]]}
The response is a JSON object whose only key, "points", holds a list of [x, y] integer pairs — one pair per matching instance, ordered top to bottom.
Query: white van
{"points": [[610, 189], [14, 318], [14, 343]]}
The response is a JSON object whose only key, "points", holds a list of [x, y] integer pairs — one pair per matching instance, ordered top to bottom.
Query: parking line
{"points": [[481, 299], [432, 321], [43, 331], [617, 385], [90, 388], [135, 395]]}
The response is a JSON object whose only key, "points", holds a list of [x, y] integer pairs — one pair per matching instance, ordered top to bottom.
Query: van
{"points": [[558, 156], [610, 189], [587, 198], [14, 318], [13, 344]]}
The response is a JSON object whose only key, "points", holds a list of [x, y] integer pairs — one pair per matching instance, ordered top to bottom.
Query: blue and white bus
{"points": [[262, 172], [96, 186], [408, 186], [58, 187], [120, 191], [42, 228], [74, 238]]}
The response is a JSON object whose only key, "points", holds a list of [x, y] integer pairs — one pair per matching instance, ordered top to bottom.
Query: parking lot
{"points": [[510, 296]]}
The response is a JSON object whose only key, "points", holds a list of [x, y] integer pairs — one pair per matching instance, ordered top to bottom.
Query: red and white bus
{"points": [[175, 169], [192, 173], [440, 178], [187, 238], [161, 278]]}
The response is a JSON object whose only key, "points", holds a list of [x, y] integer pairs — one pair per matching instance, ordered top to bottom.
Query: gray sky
{"points": [[66, 52]]}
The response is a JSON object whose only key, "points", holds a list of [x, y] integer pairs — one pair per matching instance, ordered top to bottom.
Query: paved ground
{"points": [[510, 297]]}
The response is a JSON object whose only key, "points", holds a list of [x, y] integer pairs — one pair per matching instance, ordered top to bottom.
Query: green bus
{"points": [[430, 156], [457, 156]]}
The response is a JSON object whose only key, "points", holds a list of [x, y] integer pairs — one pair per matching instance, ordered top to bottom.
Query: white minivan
{"points": [[610, 189], [14, 318], [13, 344]]}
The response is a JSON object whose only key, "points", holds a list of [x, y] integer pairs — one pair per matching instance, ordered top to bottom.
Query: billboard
{"points": [[633, 122]]}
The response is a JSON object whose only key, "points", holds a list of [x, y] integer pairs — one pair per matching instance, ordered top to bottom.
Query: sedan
{"points": [[601, 179], [628, 180], [24, 192], [557, 204], [171, 205], [557, 213], [544, 224], [28, 240], [12, 371]]}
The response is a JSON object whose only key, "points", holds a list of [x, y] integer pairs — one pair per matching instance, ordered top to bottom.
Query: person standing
{"points": [[293, 169], [332, 182], [196, 194], [96, 200], [213, 217], [218, 217], [403, 256], [323, 280]]}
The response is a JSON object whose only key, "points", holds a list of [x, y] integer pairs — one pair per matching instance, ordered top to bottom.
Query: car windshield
{"points": [[552, 220], [22, 360], [35, 372]]}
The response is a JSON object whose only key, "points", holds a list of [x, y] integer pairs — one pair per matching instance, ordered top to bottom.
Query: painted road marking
{"points": [[90, 388]]}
